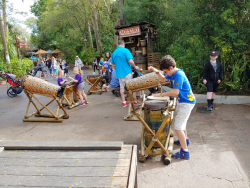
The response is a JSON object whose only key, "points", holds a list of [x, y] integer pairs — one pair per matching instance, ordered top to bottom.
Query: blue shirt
{"points": [[120, 59], [101, 62], [106, 66], [114, 80], [180, 81]]}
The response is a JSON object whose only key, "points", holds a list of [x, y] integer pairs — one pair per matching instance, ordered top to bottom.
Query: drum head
{"points": [[155, 104]]}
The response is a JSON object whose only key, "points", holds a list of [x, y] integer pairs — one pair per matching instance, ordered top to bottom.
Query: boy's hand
{"points": [[150, 68], [219, 81], [205, 82], [156, 95]]}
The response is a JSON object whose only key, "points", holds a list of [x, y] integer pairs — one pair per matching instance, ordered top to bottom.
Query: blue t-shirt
{"points": [[120, 59], [101, 62], [65, 65], [79, 78], [114, 80], [180, 81]]}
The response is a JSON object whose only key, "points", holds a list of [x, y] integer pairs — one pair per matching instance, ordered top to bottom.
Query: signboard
{"points": [[130, 31], [21, 44]]}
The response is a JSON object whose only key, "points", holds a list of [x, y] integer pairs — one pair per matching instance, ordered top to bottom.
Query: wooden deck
{"points": [[60, 166]]}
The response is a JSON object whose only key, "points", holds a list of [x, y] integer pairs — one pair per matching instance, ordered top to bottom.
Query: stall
{"points": [[138, 38]]}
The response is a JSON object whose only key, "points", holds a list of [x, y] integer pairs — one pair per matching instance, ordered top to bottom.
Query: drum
{"points": [[92, 79], [142, 82], [39, 86], [153, 116]]}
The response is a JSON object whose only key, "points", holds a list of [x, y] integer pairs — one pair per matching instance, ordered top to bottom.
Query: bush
{"points": [[18, 67]]}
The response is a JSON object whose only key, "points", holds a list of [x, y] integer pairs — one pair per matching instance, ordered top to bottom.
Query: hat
{"points": [[214, 53], [76, 56]]}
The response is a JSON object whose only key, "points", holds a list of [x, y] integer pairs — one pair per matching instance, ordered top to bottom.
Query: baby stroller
{"points": [[15, 87]]}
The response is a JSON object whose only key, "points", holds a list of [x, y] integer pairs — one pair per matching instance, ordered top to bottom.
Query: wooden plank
{"points": [[43, 120], [24, 145], [1, 149], [65, 155], [64, 162], [65, 171], [45, 181], [132, 182]]}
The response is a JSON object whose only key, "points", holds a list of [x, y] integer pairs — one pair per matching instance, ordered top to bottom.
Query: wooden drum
{"points": [[142, 82], [38, 86], [153, 116]]}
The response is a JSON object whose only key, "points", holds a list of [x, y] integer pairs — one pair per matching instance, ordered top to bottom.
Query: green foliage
{"points": [[87, 57], [18, 67]]}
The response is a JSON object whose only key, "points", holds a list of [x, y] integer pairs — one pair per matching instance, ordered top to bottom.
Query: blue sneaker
{"points": [[81, 104], [177, 142], [181, 154]]}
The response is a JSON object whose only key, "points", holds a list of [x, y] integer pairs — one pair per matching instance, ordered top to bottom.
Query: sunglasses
{"points": [[167, 70]]}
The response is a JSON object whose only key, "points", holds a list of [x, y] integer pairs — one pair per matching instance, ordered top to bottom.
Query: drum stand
{"points": [[96, 87], [68, 100], [132, 111], [52, 117], [166, 150]]}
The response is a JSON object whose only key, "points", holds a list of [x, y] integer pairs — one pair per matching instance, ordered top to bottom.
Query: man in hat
{"points": [[78, 63], [212, 77]]}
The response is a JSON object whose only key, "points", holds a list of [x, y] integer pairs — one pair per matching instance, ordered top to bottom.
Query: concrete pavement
{"points": [[220, 140]]}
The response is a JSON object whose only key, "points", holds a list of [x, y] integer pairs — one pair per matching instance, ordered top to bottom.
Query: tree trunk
{"points": [[122, 15], [96, 27], [6, 28], [90, 35], [85, 41], [18, 50], [6, 53]]}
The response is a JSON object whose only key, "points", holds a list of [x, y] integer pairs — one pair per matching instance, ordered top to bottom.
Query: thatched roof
{"points": [[56, 51], [41, 52]]}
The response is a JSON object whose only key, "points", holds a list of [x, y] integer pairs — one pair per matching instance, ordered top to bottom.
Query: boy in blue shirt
{"points": [[186, 101]]}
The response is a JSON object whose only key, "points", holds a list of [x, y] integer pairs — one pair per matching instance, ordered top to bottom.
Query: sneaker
{"points": [[86, 102], [136, 103], [81, 104], [125, 104], [212, 105], [209, 108], [177, 142], [181, 154]]}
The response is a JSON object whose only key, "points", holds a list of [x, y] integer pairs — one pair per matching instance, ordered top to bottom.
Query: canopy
{"points": [[49, 51], [56, 51], [40, 52]]}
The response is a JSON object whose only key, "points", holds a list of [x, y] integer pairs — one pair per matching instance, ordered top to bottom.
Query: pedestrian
{"points": [[108, 56], [122, 62], [49, 63], [101, 63], [53, 64], [61, 64], [79, 64], [95, 64], [56, 67], [65, 68], [42, 69], [107, 71], [212, 77], [80, 86], [186, 101]]}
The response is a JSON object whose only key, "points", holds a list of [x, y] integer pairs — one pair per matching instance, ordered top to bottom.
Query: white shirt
{"points": [[78, 62]]}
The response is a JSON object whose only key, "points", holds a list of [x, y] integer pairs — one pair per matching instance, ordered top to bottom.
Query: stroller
{"points": [[15, 87]]}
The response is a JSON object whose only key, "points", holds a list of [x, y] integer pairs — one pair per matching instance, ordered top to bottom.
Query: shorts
{"points": [[53, 70], [56, 71], [66, 71], [124, 79], [80, 86], [212, 87], [182, 111]]}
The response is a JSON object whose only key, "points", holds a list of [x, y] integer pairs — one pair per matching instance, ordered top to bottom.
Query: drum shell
{"points": [[145, 81], [39, 86], [154, 119]]}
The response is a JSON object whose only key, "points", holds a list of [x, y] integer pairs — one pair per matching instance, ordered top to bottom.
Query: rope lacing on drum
{"points": [[153, 139]]}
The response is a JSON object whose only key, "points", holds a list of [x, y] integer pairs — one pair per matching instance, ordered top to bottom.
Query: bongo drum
{"points": [[95, 82], [143, 82], [36, 85], [153, 116]]}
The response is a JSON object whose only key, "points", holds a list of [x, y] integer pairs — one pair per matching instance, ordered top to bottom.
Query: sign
{"points": [[130, 31], [21, 44]]}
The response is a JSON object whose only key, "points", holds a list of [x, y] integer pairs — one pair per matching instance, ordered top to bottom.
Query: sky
{"points": [[22, 6]]}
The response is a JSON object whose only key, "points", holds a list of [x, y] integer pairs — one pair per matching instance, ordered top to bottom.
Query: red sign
{"points": [[130, 31], [21, 44]]}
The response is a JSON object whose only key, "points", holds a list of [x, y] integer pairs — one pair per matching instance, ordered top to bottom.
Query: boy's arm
{"points": [[160, 76], [173, 92]]}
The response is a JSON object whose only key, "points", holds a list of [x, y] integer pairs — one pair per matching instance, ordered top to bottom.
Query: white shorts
{"points": [[124, 79], [182, 111]]}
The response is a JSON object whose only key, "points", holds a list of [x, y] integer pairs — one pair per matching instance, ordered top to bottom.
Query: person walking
{"points": [[122, 61], [79, 64], [95, 64], [212, 77]]}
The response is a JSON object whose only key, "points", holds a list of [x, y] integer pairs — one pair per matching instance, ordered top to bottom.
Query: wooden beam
{"points": [[132, 182]]}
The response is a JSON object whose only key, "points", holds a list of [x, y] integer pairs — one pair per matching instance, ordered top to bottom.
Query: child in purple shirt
{"points": [[60, 79], [80, 85]]}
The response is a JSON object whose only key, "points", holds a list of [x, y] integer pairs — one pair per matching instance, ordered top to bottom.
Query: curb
{"points": [[220, 99]]}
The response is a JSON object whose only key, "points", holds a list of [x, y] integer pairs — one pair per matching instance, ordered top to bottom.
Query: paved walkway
{"points": [[220, 140]]}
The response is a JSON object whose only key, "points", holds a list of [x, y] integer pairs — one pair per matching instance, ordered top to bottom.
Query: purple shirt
{"points": [[79, 78], [60, 79]]}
